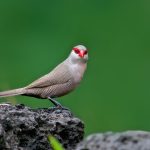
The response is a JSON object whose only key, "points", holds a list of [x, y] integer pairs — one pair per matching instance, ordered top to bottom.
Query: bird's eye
{"points": [[76, 50], [85, 52]]}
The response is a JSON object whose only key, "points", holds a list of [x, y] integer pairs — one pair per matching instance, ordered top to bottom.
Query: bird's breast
{"points": [[77, 72]]}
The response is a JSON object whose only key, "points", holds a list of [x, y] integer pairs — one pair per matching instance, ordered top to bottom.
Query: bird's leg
{"points": [[55, 102]]}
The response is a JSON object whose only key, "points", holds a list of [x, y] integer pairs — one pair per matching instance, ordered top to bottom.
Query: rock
{"points": [[23, 128], [130, 140]]}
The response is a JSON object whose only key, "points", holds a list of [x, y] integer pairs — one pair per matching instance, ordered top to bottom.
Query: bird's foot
{"points": [[57, 104]]}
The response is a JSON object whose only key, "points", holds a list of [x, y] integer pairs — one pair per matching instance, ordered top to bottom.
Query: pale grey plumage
{"points": [[60, 81]]}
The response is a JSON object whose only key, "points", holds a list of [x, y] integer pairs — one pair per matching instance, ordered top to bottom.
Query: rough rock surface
{"points": [[23, 128], [130, 140]]}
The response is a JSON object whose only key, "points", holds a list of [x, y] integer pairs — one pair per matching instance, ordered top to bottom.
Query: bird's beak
{"points": [[81, 54]]}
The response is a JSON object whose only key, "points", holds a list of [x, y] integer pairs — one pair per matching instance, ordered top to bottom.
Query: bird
{"points": [[63, 79]]}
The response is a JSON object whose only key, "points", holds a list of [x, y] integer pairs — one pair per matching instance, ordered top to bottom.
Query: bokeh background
{"points": [[114, 95]]}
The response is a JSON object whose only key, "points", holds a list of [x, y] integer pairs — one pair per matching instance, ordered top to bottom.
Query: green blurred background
{"points": [[115, 93]]}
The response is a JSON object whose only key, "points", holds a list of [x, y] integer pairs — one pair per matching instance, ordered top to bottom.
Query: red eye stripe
{"points": [[76, 50], [85, 52]]}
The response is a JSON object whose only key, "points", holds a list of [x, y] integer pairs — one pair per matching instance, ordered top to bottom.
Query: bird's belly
{"points": [[62, 90], [52, 91]]}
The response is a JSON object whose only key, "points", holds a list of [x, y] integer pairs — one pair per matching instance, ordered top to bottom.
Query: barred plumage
{"points": [[60, 81]]}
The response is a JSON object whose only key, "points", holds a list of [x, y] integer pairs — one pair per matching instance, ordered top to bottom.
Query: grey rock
{"points": [[23, 128], [130, 140]]}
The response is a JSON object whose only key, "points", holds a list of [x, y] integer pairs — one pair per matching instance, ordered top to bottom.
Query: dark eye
{"points": [[76, 50], [85, 52]]}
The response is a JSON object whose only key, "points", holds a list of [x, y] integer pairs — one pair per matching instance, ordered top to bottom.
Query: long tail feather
{"points": [[12, 92]]}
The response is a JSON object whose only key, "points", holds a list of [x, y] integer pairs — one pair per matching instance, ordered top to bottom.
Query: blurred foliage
{"points": [[114, 95], [54, 143]]}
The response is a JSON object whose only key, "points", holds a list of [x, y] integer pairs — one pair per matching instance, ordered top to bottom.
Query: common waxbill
{"points": [[60, 81]]}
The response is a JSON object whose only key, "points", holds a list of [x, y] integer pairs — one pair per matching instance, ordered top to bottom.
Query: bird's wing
{"points": [[59, 75]]}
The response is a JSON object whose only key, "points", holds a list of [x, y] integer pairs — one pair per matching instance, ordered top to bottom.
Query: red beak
{"points": [[81, 54]]}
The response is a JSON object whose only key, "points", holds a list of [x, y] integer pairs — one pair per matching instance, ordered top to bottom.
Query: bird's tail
{"points": [[12, 92]]}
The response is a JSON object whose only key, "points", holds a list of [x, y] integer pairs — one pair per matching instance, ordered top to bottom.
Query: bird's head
{"points": [[80, 53]]}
